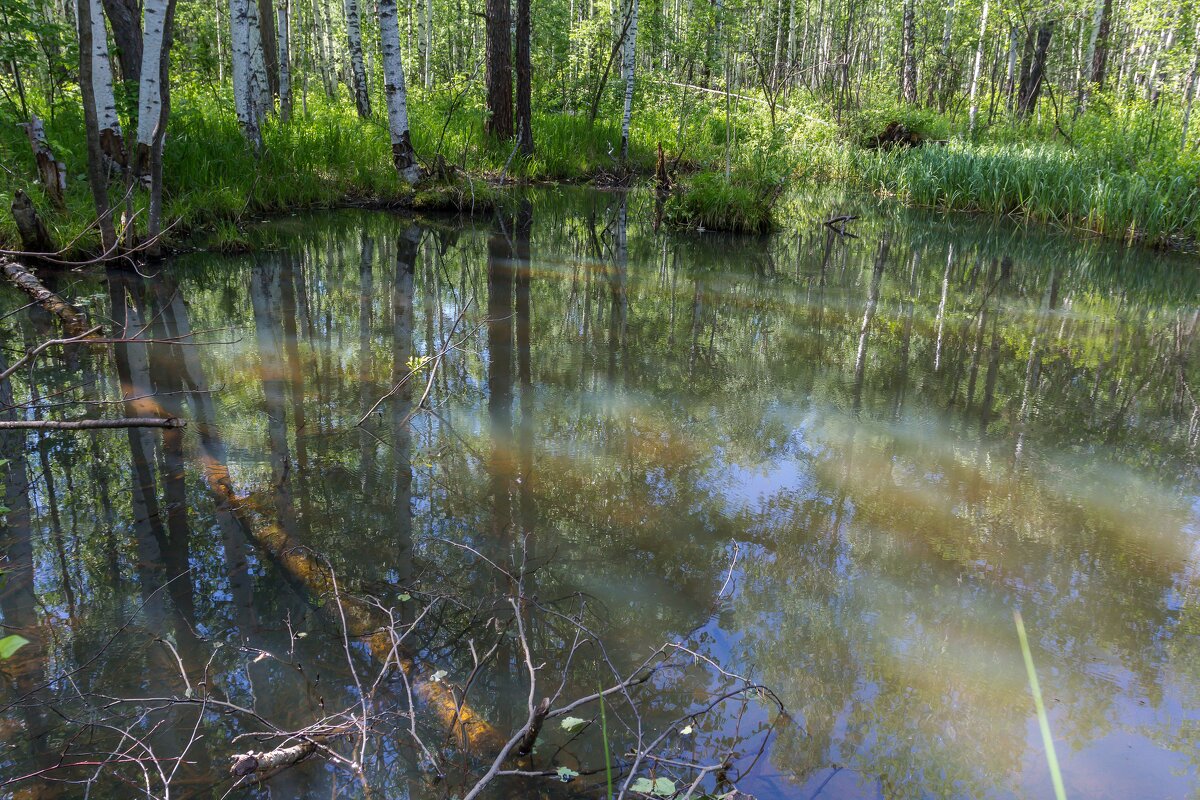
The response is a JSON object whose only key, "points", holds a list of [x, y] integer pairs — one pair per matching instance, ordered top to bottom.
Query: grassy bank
{"points": [[1118, 176]]}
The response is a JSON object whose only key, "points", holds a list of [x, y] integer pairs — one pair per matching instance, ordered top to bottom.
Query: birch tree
{"points": [[283, 39], [630, 69], [249, 74], [974, 92], [396, 94], [362, 99], [154, 103], [108, 123], [96, 177]]}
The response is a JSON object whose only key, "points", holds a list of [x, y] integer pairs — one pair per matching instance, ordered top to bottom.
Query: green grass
{"points": [[1118, 172]]}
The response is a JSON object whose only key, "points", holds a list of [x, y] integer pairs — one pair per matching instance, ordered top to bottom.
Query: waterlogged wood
{"points": [[35, 238], [74, 321], [92, 424], [255, 767]]}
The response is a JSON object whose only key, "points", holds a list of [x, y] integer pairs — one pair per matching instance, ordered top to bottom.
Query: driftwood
{"points": [[51, 171], [838, 224], [35, 238], [73, 320], [91, 424], [254, 767]]}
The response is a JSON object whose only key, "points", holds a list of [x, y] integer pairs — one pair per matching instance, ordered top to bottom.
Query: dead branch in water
{"points": [[73, 320], [91, 424]]}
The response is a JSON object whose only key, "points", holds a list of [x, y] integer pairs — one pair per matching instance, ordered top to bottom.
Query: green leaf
{"points": [[404, 597], [9, 645], [437, 676], [571, 723], [686, 731], [566, 773], [659, 786]]}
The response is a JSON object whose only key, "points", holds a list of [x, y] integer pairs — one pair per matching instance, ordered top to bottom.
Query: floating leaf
{"points": [[404, 597], [9, 645], [437, 676], [571, 723], [686, 731], [566, 773], [659, 786]]}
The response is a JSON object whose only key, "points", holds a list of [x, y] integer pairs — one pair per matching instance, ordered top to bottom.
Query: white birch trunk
{"points": [[283, 33], [630, 69], [428, 77], [149, 84], [102, 85], [1190, 91], [247, 93], [395, 93], [362, 100], [974, 114]]}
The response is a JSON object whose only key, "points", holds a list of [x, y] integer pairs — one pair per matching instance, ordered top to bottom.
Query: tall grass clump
{"points": [[1048, 183], [736, 204]]}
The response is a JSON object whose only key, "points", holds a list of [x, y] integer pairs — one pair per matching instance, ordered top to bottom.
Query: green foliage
{"points": [[743, 203], [9, 645]]}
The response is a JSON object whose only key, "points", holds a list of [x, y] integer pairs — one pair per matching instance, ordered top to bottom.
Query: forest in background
{"points": [[161, 117]]}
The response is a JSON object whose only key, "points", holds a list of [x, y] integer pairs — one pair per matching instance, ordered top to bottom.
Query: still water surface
{"points": [[833, 465]]}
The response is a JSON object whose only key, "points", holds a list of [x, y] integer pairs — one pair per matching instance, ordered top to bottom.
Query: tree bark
{"points": [[126, 20], [283, 21], [270, 44], [908, 67], [498, 69], [630, 70], [524, 78], [248, 82], [1031, 84], [396, 93], [362, 99], [154, 104], [974, 113], [111, 142], [52, 172], [96, 176], [35, 238], [73, 321], [91, 424]]}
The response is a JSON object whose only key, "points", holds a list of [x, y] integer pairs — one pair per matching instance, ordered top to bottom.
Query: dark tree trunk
{"points": [[125, 17], [270, 45], [1100, 55], [498, 57], [524, 78], [1031, 83]]}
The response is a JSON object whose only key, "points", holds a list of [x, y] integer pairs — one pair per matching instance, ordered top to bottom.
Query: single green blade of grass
{"points": [[1060, 793]]}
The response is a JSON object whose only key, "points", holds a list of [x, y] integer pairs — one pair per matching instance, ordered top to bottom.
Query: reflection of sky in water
{"points": [[880, 554]]}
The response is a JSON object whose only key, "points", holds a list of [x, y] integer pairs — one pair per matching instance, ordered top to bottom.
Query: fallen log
{"points": [[35, 238], [74, 321], [91, 424], [363, 621], [255, 767]]}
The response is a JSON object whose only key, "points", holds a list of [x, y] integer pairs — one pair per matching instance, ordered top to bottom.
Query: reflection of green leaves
{"points": [[9, 645], [571, 723], [566, 773], [661, 787]]}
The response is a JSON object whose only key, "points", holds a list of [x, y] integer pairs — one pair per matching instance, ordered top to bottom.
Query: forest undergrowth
{"points": [[1115, 172]]}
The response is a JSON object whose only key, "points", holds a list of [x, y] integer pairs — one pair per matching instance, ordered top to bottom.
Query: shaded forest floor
{"points": [[1116, 171]]}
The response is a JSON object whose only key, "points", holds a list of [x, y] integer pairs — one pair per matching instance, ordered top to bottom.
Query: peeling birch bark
{"points": [[630, 69], [396, 94], [362, 101]]}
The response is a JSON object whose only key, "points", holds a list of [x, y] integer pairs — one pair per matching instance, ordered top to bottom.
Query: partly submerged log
{"points": [[35, 238], [74, 321], [92, 424], [363, 621], [255, 767]]}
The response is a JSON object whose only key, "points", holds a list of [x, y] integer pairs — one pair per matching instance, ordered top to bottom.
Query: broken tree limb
{"points": [[51, 171], [35, 238], [74, 321], [92, 424], [254, 767]]}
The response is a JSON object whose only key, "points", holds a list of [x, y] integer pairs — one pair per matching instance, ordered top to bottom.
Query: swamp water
{"points": [[834, 466]]}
